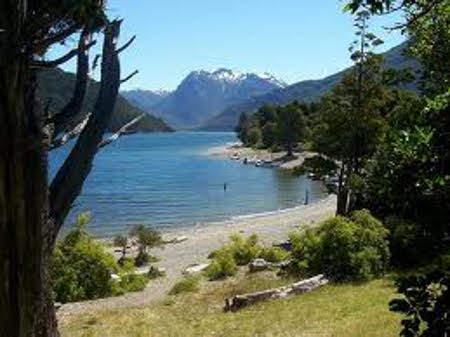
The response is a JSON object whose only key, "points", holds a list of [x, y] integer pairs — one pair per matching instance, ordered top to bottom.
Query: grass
{"points": [[185, 285], [351, 310]]}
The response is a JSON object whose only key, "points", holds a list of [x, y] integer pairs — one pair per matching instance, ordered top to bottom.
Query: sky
{"points": [[294, 40]]}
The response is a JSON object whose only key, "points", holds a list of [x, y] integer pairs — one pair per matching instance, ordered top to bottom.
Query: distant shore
{"points": [[237, 151], [199, 241]]}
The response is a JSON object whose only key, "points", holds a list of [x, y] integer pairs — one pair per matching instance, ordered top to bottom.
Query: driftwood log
{"points": [[241, 301]]}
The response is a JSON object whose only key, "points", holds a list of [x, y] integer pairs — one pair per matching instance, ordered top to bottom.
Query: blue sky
{"points": [[292, 39]]}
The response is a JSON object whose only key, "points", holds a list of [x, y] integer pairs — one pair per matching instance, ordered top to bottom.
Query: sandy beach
{"points": [[272, 227]]}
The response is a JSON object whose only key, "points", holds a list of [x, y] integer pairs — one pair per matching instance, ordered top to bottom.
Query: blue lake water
{"points": [[166, 180]]}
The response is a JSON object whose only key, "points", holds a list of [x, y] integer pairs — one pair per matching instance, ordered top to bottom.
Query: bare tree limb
{"points": [[42, 45], [126, 45], [62, 59], [95, 63], [129, 76], [72, 109], [123, 130], [75, 132], [70, 177]]}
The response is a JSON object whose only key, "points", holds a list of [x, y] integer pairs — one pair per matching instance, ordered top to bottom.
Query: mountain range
{"points": [[56, 86], [203, 95], [213, 101]]}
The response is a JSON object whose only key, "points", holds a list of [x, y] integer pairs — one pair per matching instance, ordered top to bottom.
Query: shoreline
{"points": [[236, 151], [202, 240]]}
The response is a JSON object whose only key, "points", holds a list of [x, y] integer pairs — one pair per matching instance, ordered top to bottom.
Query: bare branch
{"points": [[42, 45], [126, 45], [62, 59], [95, 63], [129, 76], [71, 111], [123, 130], [75, 132], [70, 177]]}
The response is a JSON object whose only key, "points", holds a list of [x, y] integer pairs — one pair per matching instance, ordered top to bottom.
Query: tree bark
{"points": [[69, 180], [342, 194], [26, 308]]}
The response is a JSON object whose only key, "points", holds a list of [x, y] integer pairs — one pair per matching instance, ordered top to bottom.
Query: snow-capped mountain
{"points": [[202, 95], [144, 99]]}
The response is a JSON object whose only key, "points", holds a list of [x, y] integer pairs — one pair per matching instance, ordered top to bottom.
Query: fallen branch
{"points": [[241, 301]]}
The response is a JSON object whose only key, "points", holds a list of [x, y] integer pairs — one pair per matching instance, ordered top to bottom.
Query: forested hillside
{"points": [[57, 85], [306, 91]]}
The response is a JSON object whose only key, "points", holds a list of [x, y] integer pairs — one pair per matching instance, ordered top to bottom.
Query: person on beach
{"points": [[224, 186]]}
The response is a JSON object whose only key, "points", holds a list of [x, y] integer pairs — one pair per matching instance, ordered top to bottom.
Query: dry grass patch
{"points": [[335, 310]]}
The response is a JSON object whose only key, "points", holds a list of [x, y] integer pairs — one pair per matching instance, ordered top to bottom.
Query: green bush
{"points": [[147, 238], [354, 248], [243, 250], [239, 252], [273, 254], [141, 259], [223, 265], [82, 267], [131, 282], [189, 284]]}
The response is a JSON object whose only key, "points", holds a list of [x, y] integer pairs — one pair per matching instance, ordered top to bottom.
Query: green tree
{"points": [[352, 122], [291, 126], [243, 127], [269, 134], [147, 238], [122, 242]]}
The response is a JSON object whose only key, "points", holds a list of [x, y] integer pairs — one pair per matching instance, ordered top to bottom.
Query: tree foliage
{"points": [[354, 248]]}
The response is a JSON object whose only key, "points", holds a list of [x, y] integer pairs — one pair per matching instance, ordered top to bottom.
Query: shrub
{"points": [[147, 238], [354, 248], [243, 250], [239, 252], [273, 254], [141, 259], [222, 265], [82, 268], [130, 282], [189, 284]]}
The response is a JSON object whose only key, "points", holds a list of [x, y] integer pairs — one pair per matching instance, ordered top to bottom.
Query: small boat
{"points": [[235, 157], [258, 163]]}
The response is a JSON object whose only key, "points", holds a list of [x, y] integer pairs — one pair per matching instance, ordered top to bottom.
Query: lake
{"points": [[167, 180]]}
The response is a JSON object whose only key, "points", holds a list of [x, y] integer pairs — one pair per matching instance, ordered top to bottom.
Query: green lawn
{"points": [[335, 310]]}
